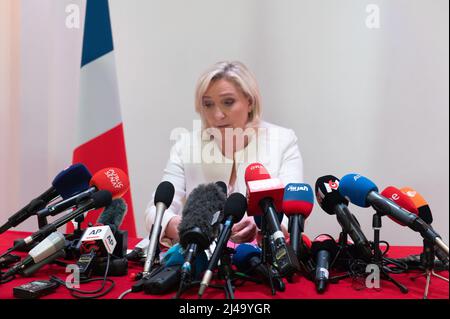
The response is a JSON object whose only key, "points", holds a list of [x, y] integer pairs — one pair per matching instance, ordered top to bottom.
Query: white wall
{"points": [[373, 101], [39, 130]]}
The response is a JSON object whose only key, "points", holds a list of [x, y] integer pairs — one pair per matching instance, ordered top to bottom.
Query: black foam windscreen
{"points": [[72, 180], [223, 187], [164, 193], [327, 193], [101, 198], [203, 204], [235, 206], [113, 214], [425, 214]]}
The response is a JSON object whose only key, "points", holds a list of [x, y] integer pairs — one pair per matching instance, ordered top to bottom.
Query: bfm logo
{"points": [[114, 178], [332, 185]]}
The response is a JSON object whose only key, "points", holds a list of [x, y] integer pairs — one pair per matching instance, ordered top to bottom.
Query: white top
{"points": [[193, 162]]}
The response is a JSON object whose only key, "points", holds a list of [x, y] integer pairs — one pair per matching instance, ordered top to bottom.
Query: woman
{"points": [[232, 136]]}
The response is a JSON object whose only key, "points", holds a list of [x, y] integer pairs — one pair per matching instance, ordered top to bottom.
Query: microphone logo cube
{"points": [[260, 189], [102, 235]]}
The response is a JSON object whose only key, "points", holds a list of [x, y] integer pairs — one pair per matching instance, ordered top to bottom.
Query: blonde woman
{"points": [[231, 136]]}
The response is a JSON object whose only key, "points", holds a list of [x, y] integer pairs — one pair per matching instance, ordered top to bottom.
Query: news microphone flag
{"points": [[100, 130]]}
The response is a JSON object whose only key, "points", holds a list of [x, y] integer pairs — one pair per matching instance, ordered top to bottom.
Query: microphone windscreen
{"points": [[256, 171], [112, 179], [71, 181], [223, 187], [355, 188], [164, 193], [327, 193], [101, 199], [298, 199], [401, 199], [420, 203], [235, 206], [199, 212], [113, 214], [324, 242], [243, 254], [176, 256]]}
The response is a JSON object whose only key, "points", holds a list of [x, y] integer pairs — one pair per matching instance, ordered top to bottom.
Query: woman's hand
{"points": [[172, 228], [244, 231]]}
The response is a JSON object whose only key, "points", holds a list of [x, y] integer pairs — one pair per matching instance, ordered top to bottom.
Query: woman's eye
{"points": [[228, 102], [207, 103]]}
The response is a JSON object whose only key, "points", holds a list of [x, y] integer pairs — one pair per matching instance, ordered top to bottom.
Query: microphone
{"points": [[112, 179], [68, 182], [118, 184], [223, 187], [363, 192], [265, 196], [99, 199], [163, 199], [402, 200], [298, 203], [333, 203], [420, 203], [234, 211], [424, 213], [113, 214], [199, 225], [97, 241], [51, 245], [323, 249], [175, 256], [247, 259], [166, 278]]}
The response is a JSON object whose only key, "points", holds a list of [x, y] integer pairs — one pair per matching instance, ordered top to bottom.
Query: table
{"points": [[300, 288]]}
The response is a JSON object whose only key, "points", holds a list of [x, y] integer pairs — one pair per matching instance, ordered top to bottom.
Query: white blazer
{"points": [[193, 162]]}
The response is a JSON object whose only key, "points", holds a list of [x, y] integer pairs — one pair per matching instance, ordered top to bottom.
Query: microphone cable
{"points": [[82, 294]]}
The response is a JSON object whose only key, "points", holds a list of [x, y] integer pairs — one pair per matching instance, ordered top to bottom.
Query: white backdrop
{"points": [[367, 100]]}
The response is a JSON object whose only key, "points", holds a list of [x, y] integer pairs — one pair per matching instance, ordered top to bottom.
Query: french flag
{"points": [[100, 130]]}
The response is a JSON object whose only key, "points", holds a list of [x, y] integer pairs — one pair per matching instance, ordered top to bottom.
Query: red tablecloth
{"points": [[301, 288]]}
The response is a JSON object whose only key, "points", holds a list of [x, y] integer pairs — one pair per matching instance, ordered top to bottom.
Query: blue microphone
{"points": [[73, 180], [362, 192], [175, 256], [247, 259]]}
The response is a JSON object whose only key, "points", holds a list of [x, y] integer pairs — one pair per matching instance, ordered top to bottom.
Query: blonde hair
{"points": [[240, 75]]}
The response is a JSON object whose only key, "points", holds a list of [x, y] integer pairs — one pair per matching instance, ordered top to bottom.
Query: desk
{"points": [[301, 288]]}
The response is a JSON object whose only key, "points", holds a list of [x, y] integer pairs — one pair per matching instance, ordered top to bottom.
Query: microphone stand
{"points": [[343, 252], [378, 258], [427, 260], [227, 273]]}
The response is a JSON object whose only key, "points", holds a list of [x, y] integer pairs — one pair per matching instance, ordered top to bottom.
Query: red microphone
{"points": [[112, 179], [259, 186], [265, 197], [400, 199], [298, 203], [420, 203], [324, 250]]}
